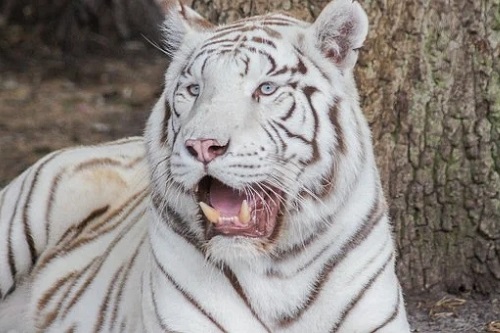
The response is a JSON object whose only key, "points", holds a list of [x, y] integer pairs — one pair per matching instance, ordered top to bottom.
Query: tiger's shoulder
{"points": [[63, 193]]}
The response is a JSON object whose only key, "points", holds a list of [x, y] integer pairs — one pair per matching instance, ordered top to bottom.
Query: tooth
{"points": [[210, 213], [244, 214]]}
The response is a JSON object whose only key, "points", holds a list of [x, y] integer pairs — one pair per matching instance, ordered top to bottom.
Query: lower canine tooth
{"points": [[211, 214], [244, 214]]}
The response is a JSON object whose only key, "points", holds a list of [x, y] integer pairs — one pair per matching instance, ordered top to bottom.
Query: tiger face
{"points": [[247, 136]]}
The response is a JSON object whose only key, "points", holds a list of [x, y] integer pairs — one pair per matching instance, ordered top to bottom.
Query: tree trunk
{"points": [[429, 77]]}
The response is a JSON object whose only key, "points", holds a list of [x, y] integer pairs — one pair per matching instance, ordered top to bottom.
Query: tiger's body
{"points": [[255, 206]]}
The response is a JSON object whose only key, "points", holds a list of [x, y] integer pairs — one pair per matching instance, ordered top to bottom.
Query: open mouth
{"points": [[231, 212]]}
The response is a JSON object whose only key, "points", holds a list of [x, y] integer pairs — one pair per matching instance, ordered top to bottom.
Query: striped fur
{"points": [[110, 238]]}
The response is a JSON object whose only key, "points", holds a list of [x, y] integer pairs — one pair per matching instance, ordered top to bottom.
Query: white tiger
{"points": [[262, 209]]}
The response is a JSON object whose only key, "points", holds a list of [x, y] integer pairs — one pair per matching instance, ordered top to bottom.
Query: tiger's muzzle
{"points": [[252, 212]]}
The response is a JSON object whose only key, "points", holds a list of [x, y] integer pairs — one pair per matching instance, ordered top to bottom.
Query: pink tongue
{"points": [[225, 199]]}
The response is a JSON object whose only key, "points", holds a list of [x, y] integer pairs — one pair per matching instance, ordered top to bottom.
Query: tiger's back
{"points": [[252, 205]]}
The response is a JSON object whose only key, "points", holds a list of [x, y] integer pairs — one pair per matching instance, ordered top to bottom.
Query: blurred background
{"points": [[85, 71]]}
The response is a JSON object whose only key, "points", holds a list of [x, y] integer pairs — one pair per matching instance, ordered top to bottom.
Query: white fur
{"points": [[129, 254]]}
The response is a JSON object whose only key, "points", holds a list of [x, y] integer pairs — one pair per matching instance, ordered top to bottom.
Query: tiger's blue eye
{"points": [[267, 88], [194, 89]]}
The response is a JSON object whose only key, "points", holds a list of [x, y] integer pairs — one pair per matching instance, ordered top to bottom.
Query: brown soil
{"points": [[48, 102], [446, 313]]}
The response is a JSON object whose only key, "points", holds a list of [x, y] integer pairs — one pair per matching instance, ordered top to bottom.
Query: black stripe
{"points": [[278, 23], [227, 29], [272, 32], [221, 34], [212, 41], [264, 41], [264, 53], [192, 59], [246, 61], [301, 67], [318, 67], [202, 70], [280, 71], [308, 92], [282, 96], [177, 114], [333, 114], [164, 124], [176, 133], [292, 135], [272, 139], [283, 145], [50, 201], [174, 221], [323, 227], [27, 229], [71, 232], [358, 238], [69, 241], [70, 245], [296, 249], [10, 250], [104, 257], [76, 280], [57, 288], [239, 290], [10, 291], [186, 295], [360, 295], [47, 296], [118, 300], [103, 309], [393, 315], [163, 326]]}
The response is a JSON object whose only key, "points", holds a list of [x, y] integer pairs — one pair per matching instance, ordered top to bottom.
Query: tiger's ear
{"points": [[180, 20], [340, 30]]}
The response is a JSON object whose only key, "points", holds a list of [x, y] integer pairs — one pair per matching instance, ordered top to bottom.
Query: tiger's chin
{"points": [[239, 223], [235, 251]]}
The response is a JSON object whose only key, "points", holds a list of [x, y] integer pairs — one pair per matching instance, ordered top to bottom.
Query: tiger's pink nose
{"points": [[205, 150]]}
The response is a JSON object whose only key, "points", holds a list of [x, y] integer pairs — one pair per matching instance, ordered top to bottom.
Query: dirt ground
{"points": [[49, 101]]}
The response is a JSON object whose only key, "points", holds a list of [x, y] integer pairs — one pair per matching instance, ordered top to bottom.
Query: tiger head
{"points": [[256, 121]]}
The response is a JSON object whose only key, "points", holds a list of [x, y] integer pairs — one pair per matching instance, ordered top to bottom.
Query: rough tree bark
{"points": [[429, 76], [431, 80]]}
